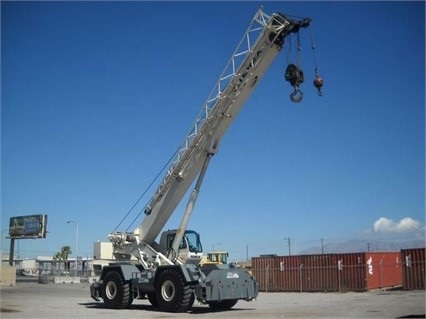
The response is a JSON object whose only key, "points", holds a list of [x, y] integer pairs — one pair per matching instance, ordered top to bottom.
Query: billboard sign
{"points": [[31, 226]]}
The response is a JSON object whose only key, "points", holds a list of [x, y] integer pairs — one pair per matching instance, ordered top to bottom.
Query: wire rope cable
{"points": [[313, 45], [144, 193]]}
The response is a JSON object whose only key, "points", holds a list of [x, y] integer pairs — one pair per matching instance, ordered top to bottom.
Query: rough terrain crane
{"points": [[169, 273]]}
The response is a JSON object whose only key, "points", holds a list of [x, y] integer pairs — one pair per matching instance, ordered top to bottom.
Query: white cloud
{"points": [[386, 225]]}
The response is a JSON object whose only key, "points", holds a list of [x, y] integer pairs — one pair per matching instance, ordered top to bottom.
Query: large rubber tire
{"points": [[171, 292], [115, 293], [152, 299], [223, 304]]}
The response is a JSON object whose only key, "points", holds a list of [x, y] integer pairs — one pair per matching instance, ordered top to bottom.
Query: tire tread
{"points": [[124, 298]]}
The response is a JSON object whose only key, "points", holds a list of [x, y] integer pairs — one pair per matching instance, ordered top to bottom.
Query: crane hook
{"points": [[294, 75], [318, 83], [294, 97]]}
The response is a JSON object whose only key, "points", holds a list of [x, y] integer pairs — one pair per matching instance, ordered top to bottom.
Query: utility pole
{"points": [[288, 242], [322, 246], [2, 251]]}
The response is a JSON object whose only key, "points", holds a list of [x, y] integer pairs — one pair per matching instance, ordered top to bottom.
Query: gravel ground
{"points": [[34, 300]]}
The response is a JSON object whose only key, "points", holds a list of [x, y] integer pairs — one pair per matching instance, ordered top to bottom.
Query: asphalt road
{"points": [[34, 300]]}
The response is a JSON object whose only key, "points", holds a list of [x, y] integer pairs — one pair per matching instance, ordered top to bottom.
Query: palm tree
{"points": [[65, 252], [62, 256]]}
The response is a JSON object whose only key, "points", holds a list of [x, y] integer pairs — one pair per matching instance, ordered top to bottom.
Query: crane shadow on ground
{"points": [[195, 310]]}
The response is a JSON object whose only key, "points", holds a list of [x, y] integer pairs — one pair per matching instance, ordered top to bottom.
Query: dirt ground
{"points": [[34, 300]]}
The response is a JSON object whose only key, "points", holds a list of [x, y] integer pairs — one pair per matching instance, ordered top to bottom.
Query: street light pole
{"points": [[215, 245], [76, 248]]}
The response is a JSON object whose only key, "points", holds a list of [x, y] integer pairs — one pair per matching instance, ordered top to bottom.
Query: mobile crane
{"points": [[169, 273]]}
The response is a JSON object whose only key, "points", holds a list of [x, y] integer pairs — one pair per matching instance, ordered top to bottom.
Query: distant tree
{"points": [[62, 255]]}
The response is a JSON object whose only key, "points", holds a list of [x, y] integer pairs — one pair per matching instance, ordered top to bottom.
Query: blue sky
{"points": [[96, 96]]}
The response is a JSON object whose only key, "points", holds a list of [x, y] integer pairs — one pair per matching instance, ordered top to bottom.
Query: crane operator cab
{"points": [[190, 248]]}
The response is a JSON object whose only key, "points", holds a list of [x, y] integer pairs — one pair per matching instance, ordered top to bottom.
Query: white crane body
{"points": [[160, 263]]}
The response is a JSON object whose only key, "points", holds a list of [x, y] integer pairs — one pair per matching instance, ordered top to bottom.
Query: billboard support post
{"points": [[11, 251]]}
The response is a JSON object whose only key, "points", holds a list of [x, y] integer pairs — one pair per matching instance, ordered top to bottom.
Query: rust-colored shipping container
{"points": [[413, 268], [383, 270], [328, 272], [351, 272], [277, 273], [318, 273]]}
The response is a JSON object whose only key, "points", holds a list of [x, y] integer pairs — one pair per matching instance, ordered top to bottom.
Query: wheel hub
{"points": [[111, 290], [168, 290]]}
